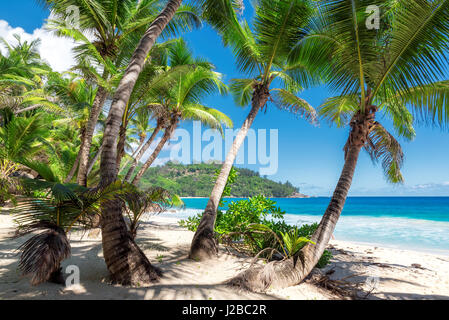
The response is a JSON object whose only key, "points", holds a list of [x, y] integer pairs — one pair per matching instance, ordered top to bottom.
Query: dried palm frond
{"points": [[42, 254]]}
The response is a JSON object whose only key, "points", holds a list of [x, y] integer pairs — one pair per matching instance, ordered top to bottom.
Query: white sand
{"points": [[166, 245]]}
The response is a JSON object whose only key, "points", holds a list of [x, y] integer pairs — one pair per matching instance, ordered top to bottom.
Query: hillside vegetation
{"points": [[196, 180]]}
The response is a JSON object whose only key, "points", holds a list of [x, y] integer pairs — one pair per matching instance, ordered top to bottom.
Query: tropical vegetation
{"points": [[71, 142], [178, 178]]}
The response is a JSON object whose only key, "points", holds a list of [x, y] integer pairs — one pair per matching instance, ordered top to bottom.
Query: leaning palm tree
{"points": [[116, 27], [261, 52], [170, 64], [153, 72], [376, 72], [182, 98], [184, 105], [161, 116], [126, 263]]}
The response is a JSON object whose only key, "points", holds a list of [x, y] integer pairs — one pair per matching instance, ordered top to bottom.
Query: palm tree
{"points": [[117, 27], [261, 52], [22, 60], [171, 63], [154, 71], [375, 72], [21, 77], [77, 97], [181, 98], [161, 116], [141, 127], [20, 138], [126, 263]]}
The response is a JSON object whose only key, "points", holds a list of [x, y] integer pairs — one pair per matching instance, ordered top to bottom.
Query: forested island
{"points": [[197, 180]]}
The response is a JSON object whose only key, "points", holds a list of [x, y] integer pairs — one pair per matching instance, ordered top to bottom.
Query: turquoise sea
{"points": [[417, 223]]}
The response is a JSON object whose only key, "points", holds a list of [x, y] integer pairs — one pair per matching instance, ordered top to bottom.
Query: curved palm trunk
{"points": [[97, 106], [167, 134], [121, 144], [141, 153], [133, 156], [94, 160], [203, 244], [125, 261], [281, 274]]}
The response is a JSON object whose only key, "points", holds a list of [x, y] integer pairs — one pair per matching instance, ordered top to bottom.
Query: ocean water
{"points": [[414, 223]]}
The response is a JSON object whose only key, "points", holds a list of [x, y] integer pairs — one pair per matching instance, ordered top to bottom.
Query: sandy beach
{"points": [[379, 273]]}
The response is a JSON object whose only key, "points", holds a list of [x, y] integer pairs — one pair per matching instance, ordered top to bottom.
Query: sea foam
{"points": [[400, 233]]}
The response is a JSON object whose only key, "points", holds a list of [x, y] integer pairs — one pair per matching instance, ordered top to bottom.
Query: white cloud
{"points": [[55, 50], [428, 186]]}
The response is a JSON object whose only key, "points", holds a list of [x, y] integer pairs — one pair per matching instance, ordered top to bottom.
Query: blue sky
{"points": [[309, 157]]}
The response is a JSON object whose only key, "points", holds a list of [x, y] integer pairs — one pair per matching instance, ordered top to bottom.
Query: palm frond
{"points": [[222, 16], [278, 26], [416, 45], [242, 91], [286, 100], [428, 103], [339, 110], [211, 117], [383, 146], [42, 254]]}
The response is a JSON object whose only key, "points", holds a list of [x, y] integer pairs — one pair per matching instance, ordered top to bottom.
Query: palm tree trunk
{"points": [[97, 106], [167, 134], [121, 144], [142, 152], [133, 156], [78, 157], [94, 160], [73, 170], [203, 244], [125, 261], [281, 274]]}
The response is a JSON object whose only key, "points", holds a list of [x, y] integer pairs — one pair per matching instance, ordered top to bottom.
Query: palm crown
{"points": [[262, 50], [376, 70], [187, 81]]}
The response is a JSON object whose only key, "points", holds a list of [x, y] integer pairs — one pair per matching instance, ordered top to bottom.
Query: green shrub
{"points": [[240, 214]]}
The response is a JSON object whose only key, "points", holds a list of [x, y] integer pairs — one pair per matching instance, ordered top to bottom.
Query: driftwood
{"points": [[341, 287]]}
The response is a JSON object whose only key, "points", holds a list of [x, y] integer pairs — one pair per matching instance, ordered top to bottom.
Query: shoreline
{"points": [[402, 233], [434, 252], [398, 274]]}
